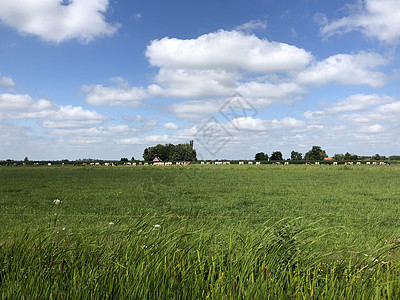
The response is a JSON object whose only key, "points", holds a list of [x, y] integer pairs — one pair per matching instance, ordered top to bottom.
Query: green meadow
{"points": [[200, 231]]}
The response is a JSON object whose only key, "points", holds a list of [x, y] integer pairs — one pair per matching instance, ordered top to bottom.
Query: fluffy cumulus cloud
{"points": [[378, 19], [57, 21], [227, 50], [345, 69], [205, 72], [7, 82], [120, 95], [23, 106], [170, 125]]}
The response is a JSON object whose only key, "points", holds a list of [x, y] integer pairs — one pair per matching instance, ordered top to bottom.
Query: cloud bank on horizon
{"points": [[83, 79]]}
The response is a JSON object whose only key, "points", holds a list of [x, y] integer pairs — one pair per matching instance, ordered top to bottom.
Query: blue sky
{"points": [[106, 79]]}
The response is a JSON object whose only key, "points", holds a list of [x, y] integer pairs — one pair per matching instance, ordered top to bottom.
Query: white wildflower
{"points": [[57, 201], [111, 224], [157, 226]]}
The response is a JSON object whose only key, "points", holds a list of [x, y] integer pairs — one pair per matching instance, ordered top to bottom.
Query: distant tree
{"points": [[171, 152], [316, 153], [277, 155], [294, 155], [260, 156], [347, 156], [338, 157], [354, 157], [376, 157], [394, 157], [133, 158], [26, 159], [124, 159]]}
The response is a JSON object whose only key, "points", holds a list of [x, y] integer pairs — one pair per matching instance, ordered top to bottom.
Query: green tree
{"points": [[171, 152], [315, 154], [277, 155], [294, 155], [260, 156], [347, 156], [338, 157], [376, 157]]}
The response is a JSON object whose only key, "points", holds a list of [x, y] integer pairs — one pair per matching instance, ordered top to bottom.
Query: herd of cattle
{"points": [[159, 163]]}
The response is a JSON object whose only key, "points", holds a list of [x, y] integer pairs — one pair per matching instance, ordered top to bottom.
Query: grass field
{"points": [[200, 232]]}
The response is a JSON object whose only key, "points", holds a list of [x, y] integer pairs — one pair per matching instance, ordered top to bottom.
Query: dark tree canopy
{"points": [[171, 152], [316, 153], [277, 155], [294, 155], [261, 156]]}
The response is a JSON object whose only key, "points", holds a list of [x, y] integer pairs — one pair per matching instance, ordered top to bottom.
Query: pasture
{"points": [[200, 231]]}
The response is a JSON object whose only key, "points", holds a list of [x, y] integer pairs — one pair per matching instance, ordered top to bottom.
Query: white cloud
{"points": [[378, 19], [54, 22], [252, 25], [228, 50], [345, 69], [7, 82], [188, 83], [281, 92], [120, 95], [358, 102], [19, 106], [22, 106], [195, 109], [73, 117], [170, 125], [375, 128], [147, 140]]}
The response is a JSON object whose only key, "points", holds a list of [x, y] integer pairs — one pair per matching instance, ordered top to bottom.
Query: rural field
{"points": [[200, 231]]}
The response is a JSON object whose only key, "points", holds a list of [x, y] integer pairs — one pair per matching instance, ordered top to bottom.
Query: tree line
{"points": [[171, 152], [316, 153]]}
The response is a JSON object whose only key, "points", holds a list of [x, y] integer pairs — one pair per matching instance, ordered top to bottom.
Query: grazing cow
{"points": [[241, 162], [250, 162], [286, 162], [317, 162], [368, 162], [202, 163], [209, 163], [258, 163], [308, 163], [359, 163], [374, 163], [382, 163], [49, 164], [84, 164], [133, 164], [146, 164]]}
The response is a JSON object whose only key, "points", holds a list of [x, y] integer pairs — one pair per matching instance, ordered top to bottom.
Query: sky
{"points": [[104, 79]]}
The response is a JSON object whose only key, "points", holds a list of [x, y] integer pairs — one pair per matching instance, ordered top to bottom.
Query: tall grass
{"points": [[224, 232], [182, 262]]}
